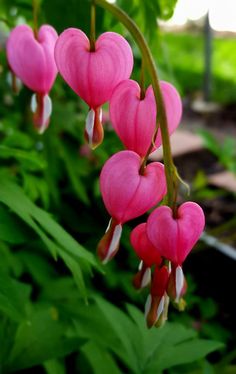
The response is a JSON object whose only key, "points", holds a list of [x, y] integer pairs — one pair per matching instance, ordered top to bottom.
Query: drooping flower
{"points": [[32, 60], [93, 75], [134, 118], [127, 194], [174, 237], [147, 253], [177, 286], [157, 302]]}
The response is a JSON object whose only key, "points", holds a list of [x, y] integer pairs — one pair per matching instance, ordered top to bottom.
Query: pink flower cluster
{"points": [[100, 75]]}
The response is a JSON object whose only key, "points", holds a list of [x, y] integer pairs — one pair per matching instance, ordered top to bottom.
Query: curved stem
{"points": [[92, 28], [161, 116]]}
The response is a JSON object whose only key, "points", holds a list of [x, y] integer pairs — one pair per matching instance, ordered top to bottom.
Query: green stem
{"points": [[35, 17], [92, 28], [161, 116]]}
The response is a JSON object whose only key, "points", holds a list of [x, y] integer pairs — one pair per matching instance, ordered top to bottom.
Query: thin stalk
{"points": [[35, 17], [93, 28], [142, 81], [170, 169]]}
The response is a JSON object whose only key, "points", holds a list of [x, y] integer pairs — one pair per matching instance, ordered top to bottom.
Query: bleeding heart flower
{"points": [[32, 60], [93, 75], [134, 118], [127, 194], [175, 237], [143, 247], [146, 252], [177, 286], [157, 302]]}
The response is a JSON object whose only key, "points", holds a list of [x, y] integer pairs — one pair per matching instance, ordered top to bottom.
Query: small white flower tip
{"points": [[33, 103], [89, 125], [114, 243], [140, 265], [146, 278], [179, 282], [147, 305], [160, 307]]}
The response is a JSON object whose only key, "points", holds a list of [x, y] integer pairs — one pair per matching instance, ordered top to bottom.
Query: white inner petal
{"points": [[33, 103], [47, 110], [100, 115], [89, 125], [109, 225], [114, 242], [140, 265], [146, 278], [179, 282], [147, 305], [160, 307]]}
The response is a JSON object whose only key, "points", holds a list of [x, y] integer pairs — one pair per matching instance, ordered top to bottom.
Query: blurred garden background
{"points": [[61, 311]]}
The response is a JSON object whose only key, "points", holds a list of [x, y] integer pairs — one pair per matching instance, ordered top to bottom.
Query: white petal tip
{"points": [[89, 125], [114, 243], [140, 265], [146, 278], [179, 282], [148, 305], [160, 307]]}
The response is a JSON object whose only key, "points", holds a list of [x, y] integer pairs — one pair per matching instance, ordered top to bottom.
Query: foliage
{"points": [[181, 59], [225, 150]]}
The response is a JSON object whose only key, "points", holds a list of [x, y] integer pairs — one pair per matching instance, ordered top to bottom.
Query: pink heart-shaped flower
{"points": [[31, 59], [93, 75], [134, 118], [126, 193], [175, 237], [143, 247]]}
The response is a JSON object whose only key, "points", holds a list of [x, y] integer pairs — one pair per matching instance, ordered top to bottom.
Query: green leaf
{"points": [[32, 157], [71, 161], [10, 224], [57, 240], [37, 266], [13, 297], [40, 338], [182, 353], [101, 361], [54, 367]]}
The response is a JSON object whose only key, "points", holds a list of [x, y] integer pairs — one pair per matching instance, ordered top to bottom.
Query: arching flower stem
{"points": [[35, 5], [92, 28], [170, 169]]}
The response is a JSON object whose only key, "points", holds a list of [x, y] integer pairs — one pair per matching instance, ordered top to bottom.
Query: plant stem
{"points": [[35, 17], [92, 28], [142, 81], [170, 169]]}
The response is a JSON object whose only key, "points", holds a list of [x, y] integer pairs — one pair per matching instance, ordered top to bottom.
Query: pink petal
{"points": [[33, 60], [93, 75], [173, 107], [134, 119], [125, 192], [174, 238], [143, 247]]}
